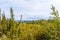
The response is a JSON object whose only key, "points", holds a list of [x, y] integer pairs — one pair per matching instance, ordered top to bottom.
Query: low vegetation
{"points": [[34, 30]]}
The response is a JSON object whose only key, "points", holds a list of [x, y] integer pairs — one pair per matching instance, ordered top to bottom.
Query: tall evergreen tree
{"points": [[55, 14], [0, 15], [12, 15], [3, 16], [55, 17], [21, 18], [0, 21], [4, 23], [13, 29]]}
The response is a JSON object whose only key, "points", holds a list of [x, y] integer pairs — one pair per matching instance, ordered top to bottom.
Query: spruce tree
{"points": [[55, 14], [12, 15], [0, 16], [55, 18], [4, 23], [13, 30]]}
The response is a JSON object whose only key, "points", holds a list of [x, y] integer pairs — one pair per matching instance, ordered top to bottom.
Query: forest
{"points": [[33, 30]]}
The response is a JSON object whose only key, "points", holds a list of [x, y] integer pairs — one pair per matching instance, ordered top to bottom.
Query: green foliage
{"points": [[0, 15], [12, 15], [33, 30]]}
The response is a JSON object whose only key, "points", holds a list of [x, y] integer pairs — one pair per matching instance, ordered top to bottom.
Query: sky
{"points": [[30, 9]]}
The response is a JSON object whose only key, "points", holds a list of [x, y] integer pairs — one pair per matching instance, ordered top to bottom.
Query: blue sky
{"points": [[30, 9]]}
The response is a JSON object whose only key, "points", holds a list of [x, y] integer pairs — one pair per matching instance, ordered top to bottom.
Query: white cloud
{"points": [[27, 7]]}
